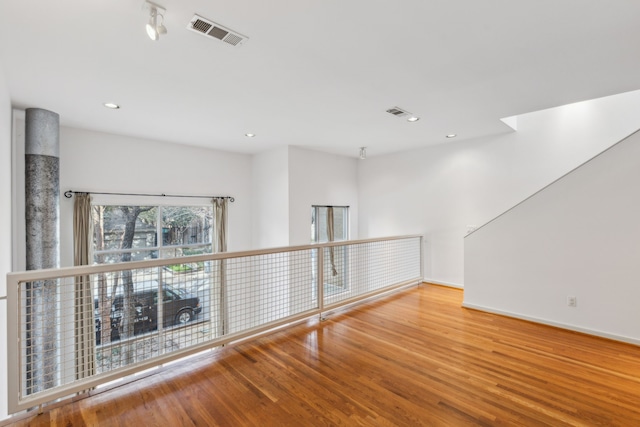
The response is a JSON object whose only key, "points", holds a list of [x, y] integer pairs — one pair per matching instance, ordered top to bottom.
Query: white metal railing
{"points": [[72, 329]]}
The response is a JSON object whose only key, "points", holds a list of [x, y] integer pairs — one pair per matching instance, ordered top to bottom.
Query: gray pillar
{"points": [[42, 207]]}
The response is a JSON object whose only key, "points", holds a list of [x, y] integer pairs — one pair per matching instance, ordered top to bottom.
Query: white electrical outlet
{"points": [[572, 301]]}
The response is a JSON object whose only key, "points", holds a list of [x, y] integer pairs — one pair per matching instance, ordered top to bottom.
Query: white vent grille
{"points": [[210, 29], [398, 112]]}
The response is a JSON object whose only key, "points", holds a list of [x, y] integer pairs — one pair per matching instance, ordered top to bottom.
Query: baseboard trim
{"points": [[448, 284], [574, 328]]}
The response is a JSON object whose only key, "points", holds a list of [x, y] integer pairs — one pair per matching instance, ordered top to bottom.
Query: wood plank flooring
{"points": [[413, 358]]}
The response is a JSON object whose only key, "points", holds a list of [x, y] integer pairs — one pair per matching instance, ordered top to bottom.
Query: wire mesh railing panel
{"points": [[352, 270], [266, 288], [145, 313], [75, 328], [43, 334]]}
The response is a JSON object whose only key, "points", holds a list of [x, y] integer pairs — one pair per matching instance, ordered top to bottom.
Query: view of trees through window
{"points": [[135, 233]]}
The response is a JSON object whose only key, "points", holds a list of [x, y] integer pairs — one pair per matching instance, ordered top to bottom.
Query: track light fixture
{"points": [[155, 28], [363, 153]]}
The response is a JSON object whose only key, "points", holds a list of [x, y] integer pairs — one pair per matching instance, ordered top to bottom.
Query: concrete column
{"points": [[42, 187], [42, 207]]}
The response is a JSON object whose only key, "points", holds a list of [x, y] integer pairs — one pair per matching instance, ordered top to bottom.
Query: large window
{"points": [[135, 233], [126, 302]]}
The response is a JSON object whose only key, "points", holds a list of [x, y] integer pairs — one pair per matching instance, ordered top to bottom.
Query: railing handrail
{"points": [[150, 248], [26, 276]]}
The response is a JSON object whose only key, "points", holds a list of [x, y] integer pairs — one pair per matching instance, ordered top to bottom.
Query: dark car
{"points": [[178, 308]]}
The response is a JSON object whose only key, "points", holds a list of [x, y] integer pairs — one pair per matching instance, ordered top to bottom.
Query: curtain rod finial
{"points": [[68, 194]]}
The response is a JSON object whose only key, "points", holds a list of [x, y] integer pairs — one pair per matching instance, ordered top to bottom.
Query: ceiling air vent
{"points": [[208, 28], [398, 112]]}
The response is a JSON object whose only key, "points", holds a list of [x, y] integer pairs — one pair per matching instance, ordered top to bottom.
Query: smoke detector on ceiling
{"points": [[210, 29]]}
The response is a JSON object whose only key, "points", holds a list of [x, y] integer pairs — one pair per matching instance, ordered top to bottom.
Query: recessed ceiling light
{"points": [[111, 105], [413, 119], [249, 135], [451, 135]]}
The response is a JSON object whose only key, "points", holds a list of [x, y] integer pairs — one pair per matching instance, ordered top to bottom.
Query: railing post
{"points": [[423, 242], [320, 276], [160, 310], [15, 371]]}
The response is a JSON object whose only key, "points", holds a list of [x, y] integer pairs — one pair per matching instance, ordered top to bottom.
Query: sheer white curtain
{"points": [[220, 209], [84, 322]]}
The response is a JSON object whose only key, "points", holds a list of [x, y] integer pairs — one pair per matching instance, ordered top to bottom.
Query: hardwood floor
{"points": [[414, 358]]}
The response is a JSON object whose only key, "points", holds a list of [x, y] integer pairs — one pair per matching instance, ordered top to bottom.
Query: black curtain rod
{"points": [[69, 194], [329, 206]]}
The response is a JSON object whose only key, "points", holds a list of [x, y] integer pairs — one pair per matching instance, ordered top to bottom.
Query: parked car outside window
{"points": [[179, 307]]}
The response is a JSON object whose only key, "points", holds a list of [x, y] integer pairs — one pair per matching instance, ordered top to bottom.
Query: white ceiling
{"points": [[317, 74]]}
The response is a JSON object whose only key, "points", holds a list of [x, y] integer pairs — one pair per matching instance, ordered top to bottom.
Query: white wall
{"points": [[96, 161], [100, 162], [317, 178], [287, 182], [270, 184], [439, 191], [5, 230], [578, 237]]}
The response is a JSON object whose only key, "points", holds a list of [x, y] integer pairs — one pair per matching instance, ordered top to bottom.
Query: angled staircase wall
{"points": [[578, 237]]}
